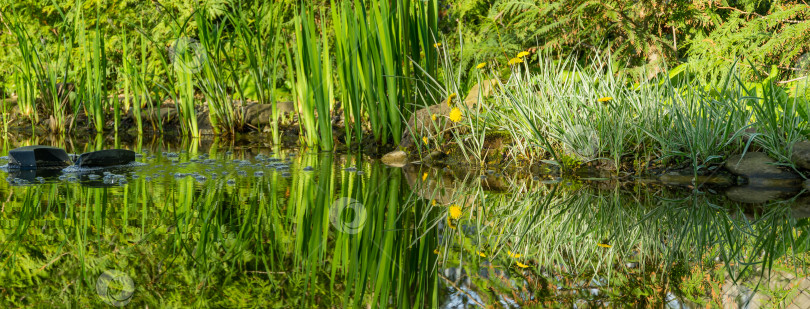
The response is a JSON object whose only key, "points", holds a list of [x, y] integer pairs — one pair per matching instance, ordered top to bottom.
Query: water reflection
{"points": [[207, 223], [577, 245]]}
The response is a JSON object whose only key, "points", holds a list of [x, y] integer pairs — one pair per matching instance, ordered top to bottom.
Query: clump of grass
{"points": [[258, 32], [376, 46], [313, 86], [594, 114]]}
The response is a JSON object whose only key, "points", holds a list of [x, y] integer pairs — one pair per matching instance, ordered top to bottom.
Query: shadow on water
{"points": [[213, 224]]}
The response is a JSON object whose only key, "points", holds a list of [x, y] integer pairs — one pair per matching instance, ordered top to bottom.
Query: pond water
{"points": [[220, 224]]}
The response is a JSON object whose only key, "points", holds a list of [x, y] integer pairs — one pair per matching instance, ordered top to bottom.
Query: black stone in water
{"points": [[38, 157], [105, 158]]}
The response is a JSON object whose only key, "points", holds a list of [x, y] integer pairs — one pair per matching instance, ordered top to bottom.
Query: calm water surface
{"points": [[214, 224]]}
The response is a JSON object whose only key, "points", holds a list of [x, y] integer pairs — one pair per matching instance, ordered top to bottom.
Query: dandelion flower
{"points": [[437, 45], [522, 54], [515, 61], [481, 65], [450, 99], [605, 99], [455, 114], [433, 117], [425, 139], [424, 176], [433, 202], [454, 211], [604, 245], [436, 251], [481, 254], [513, 255], [521, 265]]}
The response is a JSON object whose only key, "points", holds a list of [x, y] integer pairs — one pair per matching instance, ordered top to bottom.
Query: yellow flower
{"points": [[437, 45], [522, 54], [514, 61], [481, 65], [450, 99], [605, 99], [455, 114], [433, 117], [424, 139], [424, 176], [433, 203], [454, 211], [604, 245], [436, 251], [481, 254], [513, 255], [521, 265]]}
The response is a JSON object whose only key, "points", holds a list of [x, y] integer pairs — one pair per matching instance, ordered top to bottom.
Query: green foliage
{"points": [[644, 36]]}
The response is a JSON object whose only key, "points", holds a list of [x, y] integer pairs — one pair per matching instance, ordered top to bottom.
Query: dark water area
{"points": [[223, 224]]}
